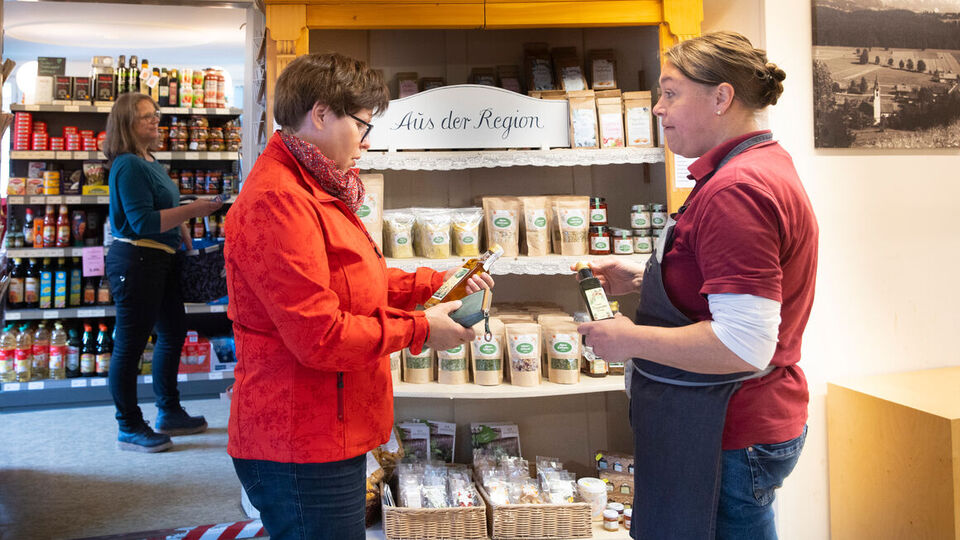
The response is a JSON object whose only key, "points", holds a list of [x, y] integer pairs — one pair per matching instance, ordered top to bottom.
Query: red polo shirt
{"points": [[750, 229]]}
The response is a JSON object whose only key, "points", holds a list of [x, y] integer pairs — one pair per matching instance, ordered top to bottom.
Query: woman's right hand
{"points": [[204, 207], [617, 276], [445, 333]]}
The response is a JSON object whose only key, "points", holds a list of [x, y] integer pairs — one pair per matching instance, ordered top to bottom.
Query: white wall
{"points": [[888, 250]]}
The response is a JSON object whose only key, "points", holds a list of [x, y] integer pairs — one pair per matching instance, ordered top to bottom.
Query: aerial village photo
{"points": [[886, 73]]}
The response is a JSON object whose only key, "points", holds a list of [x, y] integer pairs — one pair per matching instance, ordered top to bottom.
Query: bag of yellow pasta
{"points": [[465, 223], [398, 233], [432, 233]]}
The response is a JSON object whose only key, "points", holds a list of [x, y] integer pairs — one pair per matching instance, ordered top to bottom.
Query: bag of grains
{"points": [[502, 216], [536, 225], [466, 231], [523, 348], [487, 356], [452, 365], [418, 368]]}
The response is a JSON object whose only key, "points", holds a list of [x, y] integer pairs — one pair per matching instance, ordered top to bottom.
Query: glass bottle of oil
{"points": [[455, 287], [592, 292], [8, 352], [41, 352], [24, 354]]}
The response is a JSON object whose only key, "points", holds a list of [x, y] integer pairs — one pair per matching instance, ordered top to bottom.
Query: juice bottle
{"points": [[49, 227], [63, 227], [18, 276], [46, 285], [60, 285], [31, 287], [455, 287], [75, 294], [104, 351], [41, 352], [58, 352], [88, 352], [73, 353], [8, 354], [23, 356]]}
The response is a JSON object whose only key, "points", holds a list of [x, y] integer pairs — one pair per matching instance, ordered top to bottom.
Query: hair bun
{"points": [[773, 71]]}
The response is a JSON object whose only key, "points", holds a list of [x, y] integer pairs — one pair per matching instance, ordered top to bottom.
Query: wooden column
{"points": [[287, 38]]}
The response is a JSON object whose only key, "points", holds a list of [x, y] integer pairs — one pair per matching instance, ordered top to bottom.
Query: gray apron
{"points": [[677, 418]]}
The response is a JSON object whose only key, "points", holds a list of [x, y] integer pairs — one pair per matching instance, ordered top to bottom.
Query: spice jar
{"points": [[198, 145], [598, 211], [658, 215], [640, 216], [600, 240], [622, 241], [642, 241], [611, 520]]}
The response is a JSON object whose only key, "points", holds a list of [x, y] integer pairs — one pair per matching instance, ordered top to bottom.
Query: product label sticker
{"points": [[602, 71], [573, 79], [639, 125], [584, 128], [612, 128], [598, 215], [573, 217], [503, 219], [536, 219], [640, 220], [401, 238], [440, 238], [466, 238], [599, 243], [623, 245], [450, 283], [599, 306], [564, 343], [524, 345], [486, 349]]}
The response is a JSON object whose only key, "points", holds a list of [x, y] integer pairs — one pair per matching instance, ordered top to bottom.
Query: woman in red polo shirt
{"points": [[315, 310], [718, 403]]}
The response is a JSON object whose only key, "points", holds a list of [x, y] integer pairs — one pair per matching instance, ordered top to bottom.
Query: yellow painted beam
{"points": [[530, 14], [407, 15]]}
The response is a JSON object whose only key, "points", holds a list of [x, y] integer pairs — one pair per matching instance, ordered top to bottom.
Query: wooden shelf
{"points": [[104, 109], [162, 156], [485, 159], [547, 265], [587, 385]]}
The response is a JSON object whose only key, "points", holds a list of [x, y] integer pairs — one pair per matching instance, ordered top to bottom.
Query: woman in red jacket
{"points": [[315, 310]]}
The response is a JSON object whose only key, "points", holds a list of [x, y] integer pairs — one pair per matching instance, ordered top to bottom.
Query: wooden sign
{"points": [[471, 116]]}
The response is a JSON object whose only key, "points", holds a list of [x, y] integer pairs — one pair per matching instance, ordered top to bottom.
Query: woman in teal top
{"points": [[148, 225]]}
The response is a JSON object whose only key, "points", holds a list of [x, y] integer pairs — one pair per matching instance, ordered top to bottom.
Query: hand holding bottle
{"points": [[617, 276], [476, 282], [445, 333]]}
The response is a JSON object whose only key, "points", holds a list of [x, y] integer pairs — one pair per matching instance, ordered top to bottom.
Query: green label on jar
{"points": [[598, 217], [601, 245]]}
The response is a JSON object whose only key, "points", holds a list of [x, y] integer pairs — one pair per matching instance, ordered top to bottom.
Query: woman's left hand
{"points": [[482, 280], [611, 339]]}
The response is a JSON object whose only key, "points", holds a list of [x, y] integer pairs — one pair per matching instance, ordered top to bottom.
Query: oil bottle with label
{"points": [[455, 287]]}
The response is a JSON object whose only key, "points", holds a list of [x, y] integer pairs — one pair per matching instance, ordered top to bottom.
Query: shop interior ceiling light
{"points": [[111, 34]]}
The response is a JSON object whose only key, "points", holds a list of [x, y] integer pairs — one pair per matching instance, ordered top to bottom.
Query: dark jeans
{"points": [[144, 283], [750, 479], [308, 501]]}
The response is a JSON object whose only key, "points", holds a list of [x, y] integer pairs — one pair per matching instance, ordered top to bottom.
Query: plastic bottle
{"points": [[49, 227], [63, 227], [28, 228], [38, 232], [18, 275], [46, 285], [60, 285], [31, 287], [104, 351], [41, 352], [58, 352], [88, 352], [73, 353], [8, 354], [24, 355]]}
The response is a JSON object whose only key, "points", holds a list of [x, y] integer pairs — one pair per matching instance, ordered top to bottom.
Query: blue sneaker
{"points": [[178, 422], [143, 439]]}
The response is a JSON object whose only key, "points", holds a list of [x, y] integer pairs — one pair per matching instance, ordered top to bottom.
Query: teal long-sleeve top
{"points": [[139, 189]]}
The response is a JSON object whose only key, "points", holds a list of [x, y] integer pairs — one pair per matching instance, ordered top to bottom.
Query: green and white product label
{"points": [[368, 207], [598, 215], [573, 217], [503, 219], [536, 219], [659, 219], [639, 220], [440, 238], [466, 238], [400, 239], [599, 243], [642, 244], [623, 246], [450, 283], [597, 304], [563, 344], [524, 346], [486, 349], [456, 352]]}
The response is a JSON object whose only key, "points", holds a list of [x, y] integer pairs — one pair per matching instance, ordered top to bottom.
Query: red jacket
{"points": [[315, 314]]}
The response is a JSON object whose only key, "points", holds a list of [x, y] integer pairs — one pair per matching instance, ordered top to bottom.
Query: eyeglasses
{"points": [[152, 116], [367, 125]]}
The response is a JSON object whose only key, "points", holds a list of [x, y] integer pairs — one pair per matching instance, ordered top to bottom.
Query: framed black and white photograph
{"points": [[886, 73]]}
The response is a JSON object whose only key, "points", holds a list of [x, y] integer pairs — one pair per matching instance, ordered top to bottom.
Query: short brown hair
{"points": [[729, 57], [344, 84], [123, 116]]}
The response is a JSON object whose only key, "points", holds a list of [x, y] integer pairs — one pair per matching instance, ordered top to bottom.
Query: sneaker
{"points": [[178, 422], [143, 439]]}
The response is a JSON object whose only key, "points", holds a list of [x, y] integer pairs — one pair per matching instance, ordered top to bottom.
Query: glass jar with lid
{"points": [[598, 211], [640, 216], [658, 216], [600, 240], [622, 241], [642, 241]]}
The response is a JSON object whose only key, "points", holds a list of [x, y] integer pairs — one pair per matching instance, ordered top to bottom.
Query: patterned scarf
{"points": [[345, 186]]}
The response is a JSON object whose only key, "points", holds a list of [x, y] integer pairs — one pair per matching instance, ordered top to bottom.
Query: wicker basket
{"points": [[538, 520], [400, 523]]}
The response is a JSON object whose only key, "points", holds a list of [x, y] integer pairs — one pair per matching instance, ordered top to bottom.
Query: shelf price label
{"points": [[71, 108], [64, 155], [191, 155], [38, 199], [76, 199], [103, 199], [15, 200], [51, 314], [216, 375], [181, 377], [148, 379], [98, 381], [78, 383], [35, 385], [11, 387]]}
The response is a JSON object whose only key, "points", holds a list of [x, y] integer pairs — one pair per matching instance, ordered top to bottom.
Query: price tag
{"points": [[145, 73], [152, 81], [32, 108], [71, 108], [104, 108], [64, 155], [163, 155], [191, 155], [39, 199], [55, 199], [76, 199], [103, 199], [16, 200], [93, 261], [51, 314], [216, 375], [181, 377], [148, 379], [98, 381], [78, 383], [35, 385], [11, 387]]}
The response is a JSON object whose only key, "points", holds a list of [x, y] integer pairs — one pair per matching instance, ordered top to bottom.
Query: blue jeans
{"points": [[146, 290], [749, 482], [308, 501]]}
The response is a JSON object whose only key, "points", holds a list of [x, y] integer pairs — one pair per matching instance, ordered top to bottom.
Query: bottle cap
{"points": [[583, 271], [611, 515]]}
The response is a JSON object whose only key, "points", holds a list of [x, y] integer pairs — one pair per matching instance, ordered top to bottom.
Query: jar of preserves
{"points": [[199, 121], [174, 130], [199, 133], [215, 133], [232, 134], [178, 145], [197, 145], [215, 145], [231, 146], [186, 183], [213, 183], [598, 211], [640, 216], [658, 216], [600, 240], [622, 241], [642, 241]]}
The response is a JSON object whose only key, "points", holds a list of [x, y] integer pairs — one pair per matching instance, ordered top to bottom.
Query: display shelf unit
{"points": [[105, 109], [162, 156], [471, 159], [78, 199], [41, 253], [546, 265], [95, 311], [587, 385], [84, 390], [375, 532]]}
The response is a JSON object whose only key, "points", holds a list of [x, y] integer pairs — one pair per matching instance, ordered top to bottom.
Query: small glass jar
{"points": [[215, 133], [178, 145], [197, 145], [215, 145], [231, 146], [187, 185], [598, 211], [640, 216], [658, 216], [600, 240], [622, 241], [642, 241], [616, 507], [627, 517], [611, 520]]}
